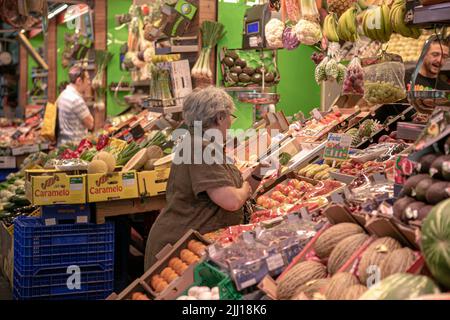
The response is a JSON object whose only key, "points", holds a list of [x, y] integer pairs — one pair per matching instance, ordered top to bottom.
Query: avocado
{"points": [[232, 54], [229, 62], [241, 63], [236, 69], [249, 71], [243, 77], [426, 161], [440, 167], [411, 183], [421, 189], [437, 192], [400, 206], [412, 210]]}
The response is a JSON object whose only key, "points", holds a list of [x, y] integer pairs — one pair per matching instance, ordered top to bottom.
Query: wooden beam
{"points": [[208, 11], [100, 32], [52, 52], [23, 77]]}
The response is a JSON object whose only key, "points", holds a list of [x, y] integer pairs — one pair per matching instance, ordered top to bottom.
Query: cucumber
{"points": [[20, 201]]}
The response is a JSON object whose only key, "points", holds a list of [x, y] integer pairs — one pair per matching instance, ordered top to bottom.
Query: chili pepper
{"points": [[102, 142], [83, 146], [69, 154]]}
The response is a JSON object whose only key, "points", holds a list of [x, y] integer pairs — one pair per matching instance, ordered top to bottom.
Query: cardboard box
{"points": [[180, 74], [7, 162], [153, 183], [112, 186], [48, 187], [6, 252], [178, 286]]}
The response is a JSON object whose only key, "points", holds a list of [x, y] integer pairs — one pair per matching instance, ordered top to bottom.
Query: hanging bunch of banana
{"points": [[397, 19], [376, 23], [330, 25], [346, 26]]}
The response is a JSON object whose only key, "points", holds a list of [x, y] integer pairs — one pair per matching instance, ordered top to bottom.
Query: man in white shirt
{"points": [[74, 116]]}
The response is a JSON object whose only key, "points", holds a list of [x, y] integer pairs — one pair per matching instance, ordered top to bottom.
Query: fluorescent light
{"points": [[57, 11]]}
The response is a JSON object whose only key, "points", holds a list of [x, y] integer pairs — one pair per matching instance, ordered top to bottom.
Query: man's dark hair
{"points": [[76, 72]]}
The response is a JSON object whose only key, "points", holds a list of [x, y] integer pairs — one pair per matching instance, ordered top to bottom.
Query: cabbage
{"points": [[290, 40]]}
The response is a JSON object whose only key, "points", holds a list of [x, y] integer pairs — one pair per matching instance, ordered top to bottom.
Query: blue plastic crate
{"points": [[59, 213], [37, 246], [52, 284]]}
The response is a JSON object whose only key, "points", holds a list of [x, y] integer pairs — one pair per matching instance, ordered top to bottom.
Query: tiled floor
{"points": [[5, 290]]}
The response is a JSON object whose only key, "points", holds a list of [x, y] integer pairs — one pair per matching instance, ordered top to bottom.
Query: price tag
{"points": [[316, 114], [16, 135], [337, 147], [379, 178], [337, 198], [305, 214], [82, 219], [50, 222], [275, 262], [248, 283]]}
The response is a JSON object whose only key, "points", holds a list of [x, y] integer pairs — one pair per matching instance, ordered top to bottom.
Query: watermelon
{"points": [[435, 242], [401, 286]]}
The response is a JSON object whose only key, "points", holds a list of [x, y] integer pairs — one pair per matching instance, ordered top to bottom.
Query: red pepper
{"points": [[103, 141], [83, 146], [69, 154]]}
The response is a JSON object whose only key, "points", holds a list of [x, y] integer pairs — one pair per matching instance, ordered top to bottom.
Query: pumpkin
{"points": [[332, 236], [435, 242], [344, 250], [374, 255], [397, 261], [299, 275], [338, 284], [401, 286], [310, 288], [354, 292]]}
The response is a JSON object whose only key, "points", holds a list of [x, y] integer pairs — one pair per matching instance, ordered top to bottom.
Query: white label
{"points": [[253, 41], [316, 114], [25, 149], [7, 162], [379, 178], [129, 182], [76, 187], [305, 214], [82, 219], [50, 222], [275, 262], [248, 283]]}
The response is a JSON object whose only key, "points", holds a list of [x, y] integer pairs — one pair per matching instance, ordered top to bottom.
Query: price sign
{"points": [[316, 114], [337, 147]]}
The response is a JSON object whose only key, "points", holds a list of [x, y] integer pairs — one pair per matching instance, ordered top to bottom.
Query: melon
{"points": [[154, 152], [108, 158], [137, 161], [97, 166], [332, 236], [435, 242], [344, 250], [373, 257], [397, 261], [299, 275], [338, 284], [401, 286], [310, 288], [354, 292]]}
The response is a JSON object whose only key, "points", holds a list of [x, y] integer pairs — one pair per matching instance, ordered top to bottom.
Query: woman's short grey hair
{"points": [[206, 105]]}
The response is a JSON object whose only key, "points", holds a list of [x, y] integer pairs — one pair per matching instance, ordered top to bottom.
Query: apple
{"points": [[288, 189], [261, 200]]}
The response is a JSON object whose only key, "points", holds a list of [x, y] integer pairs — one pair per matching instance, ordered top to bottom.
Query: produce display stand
{"points": [[128, 206]]}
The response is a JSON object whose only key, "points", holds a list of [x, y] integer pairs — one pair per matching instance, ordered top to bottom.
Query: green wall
{"points": [[115, 40], [36, 42], [62, 73], [297, 87]]}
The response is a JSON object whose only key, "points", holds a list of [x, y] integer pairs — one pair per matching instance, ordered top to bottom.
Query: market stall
{"points": [[351, 204]]}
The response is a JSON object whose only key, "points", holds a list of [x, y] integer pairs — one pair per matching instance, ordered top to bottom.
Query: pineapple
{"points": [[339, 6], [368, 127]]}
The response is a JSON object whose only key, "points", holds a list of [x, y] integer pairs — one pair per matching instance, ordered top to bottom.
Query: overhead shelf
{"points": [[438, 13], [166, 110]]}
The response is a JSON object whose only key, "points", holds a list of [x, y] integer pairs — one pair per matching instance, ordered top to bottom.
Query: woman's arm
{"points": [[230, 198]]}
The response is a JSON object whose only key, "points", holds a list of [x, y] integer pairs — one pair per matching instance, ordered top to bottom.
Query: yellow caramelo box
{"points": [[154, 182], [112, 186], [47, 187]]}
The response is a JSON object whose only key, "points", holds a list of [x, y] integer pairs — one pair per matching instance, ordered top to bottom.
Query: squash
{"points": [[154, 152], [137, 161], [332, 236], [435, 242], [344, 250], [374, 256], [397, 261], [299, 275], [338, 284], [401, 286]]}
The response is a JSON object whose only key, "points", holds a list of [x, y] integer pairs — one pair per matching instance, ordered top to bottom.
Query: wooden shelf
{"points": [[438, 13], [143, 83], [166, 110]]}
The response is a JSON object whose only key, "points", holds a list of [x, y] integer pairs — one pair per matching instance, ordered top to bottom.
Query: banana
{"points": [[386, 22], [330, 26], [303, 171], [312, 172]]}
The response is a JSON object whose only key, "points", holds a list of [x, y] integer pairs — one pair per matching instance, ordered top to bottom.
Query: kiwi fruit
{"points": [[232, 54], [228, 61], [241, 63], [236, 69], [249, 71], [234, 77], [243, 77], [257, 78], [426, 161], [440, 167], [411, 183], [421, 189], [437, 192], [400, 206], [412, 210]]}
